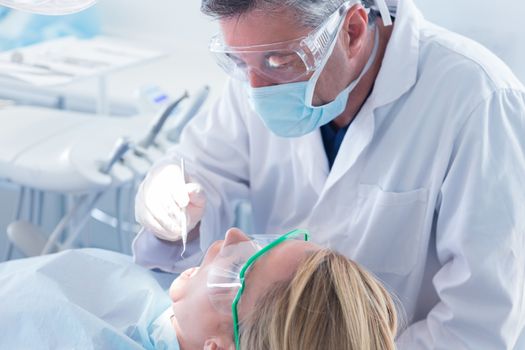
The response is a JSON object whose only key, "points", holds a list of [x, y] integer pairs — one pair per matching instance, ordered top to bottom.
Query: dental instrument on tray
{"points": [[18, 58]]}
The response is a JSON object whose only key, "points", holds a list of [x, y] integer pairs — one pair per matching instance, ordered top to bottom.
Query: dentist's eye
{"points": [[238, 61], [280, 61]]}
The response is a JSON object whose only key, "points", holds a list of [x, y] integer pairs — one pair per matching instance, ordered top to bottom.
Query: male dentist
{"points": [[393, 141]]}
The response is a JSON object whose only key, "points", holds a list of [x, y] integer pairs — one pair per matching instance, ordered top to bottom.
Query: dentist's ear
{"points": [[355, 28], [219, 343]]}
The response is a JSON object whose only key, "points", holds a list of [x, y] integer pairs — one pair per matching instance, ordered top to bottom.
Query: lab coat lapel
{"points": [[399, 68], [397, 75], [357, 138], [310, 156]]}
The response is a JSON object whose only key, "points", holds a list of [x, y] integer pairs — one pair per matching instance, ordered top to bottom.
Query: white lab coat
{"points": [[427, 191]]}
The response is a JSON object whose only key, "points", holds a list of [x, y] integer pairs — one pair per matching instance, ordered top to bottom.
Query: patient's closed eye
{"points": [[237, 264]]}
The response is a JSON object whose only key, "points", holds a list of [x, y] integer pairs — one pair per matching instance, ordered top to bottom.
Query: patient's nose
{"points": [[234, 236]]}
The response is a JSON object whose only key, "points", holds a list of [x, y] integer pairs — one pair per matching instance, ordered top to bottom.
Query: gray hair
{"points": [[310, 13]]}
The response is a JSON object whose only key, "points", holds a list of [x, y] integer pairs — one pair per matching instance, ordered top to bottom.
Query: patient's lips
{"points": [[189, 273]]}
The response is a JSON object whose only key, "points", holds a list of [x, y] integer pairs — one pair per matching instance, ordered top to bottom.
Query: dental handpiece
{"points": [[197, 101], [161, 120], [121, 147]]}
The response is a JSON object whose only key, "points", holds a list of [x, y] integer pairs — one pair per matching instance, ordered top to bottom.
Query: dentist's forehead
{"points": [[259, 28]]}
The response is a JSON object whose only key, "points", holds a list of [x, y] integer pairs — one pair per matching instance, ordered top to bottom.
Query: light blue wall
{"points": [[172, 23], [499, 25]]}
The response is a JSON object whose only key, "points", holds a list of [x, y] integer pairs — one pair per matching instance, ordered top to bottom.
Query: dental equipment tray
{"points": [[62, 61]]}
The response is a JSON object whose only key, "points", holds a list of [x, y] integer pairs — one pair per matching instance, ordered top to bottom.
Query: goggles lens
{"points": [[282, 62], [280, 66], [227, 274], [224, 275]]}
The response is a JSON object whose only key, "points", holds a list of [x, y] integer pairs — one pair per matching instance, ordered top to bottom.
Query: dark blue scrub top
{"points": [[332, 139]]}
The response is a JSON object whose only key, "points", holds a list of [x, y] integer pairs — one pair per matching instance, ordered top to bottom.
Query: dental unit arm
{"points": [[195, 104], [160, 122], [122, 146]]}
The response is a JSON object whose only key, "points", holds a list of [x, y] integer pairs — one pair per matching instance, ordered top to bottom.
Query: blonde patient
{"points": [[296, 295]]}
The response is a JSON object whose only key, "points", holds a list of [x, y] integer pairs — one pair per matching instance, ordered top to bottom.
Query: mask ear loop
{"points": [[385, 13], [313, 79], [312, 83]]}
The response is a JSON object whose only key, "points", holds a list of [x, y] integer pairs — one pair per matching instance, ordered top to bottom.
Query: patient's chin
{"points": [[176, 291]]}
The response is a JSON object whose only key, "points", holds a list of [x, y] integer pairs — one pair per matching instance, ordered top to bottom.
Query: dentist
{"points": [[393, 141]]}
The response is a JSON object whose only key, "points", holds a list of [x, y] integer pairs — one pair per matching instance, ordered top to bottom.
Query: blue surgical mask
{"points": [[288, 110]]}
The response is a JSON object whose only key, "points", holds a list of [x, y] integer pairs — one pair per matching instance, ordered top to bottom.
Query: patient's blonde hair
{"points": [[331, 303]]}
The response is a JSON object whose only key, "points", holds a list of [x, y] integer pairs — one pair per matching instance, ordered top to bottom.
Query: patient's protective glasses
{"points": [[282, 62], [227, 274]]}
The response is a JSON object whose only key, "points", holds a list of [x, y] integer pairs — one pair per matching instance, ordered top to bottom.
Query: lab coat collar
{"points": [[399, 68], [397, 75], [309, 150]]}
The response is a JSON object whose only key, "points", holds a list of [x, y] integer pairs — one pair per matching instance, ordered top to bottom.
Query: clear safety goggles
{"points": [[49, 7], [282, 62], [228, 270]]}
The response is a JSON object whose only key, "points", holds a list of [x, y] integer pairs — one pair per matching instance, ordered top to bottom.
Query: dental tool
{"points": [[18, 58], [184, 217]]}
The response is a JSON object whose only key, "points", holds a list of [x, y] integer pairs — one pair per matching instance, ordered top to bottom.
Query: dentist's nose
{"points": [[256, 80]]}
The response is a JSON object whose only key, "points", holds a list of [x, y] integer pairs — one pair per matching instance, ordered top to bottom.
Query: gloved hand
{"points": [[162, 200]]}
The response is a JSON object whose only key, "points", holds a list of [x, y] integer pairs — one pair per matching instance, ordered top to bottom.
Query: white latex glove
{"points": [[162, 200]]}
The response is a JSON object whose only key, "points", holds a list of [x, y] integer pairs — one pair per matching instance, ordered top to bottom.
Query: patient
{"points": [[296, 296]]}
